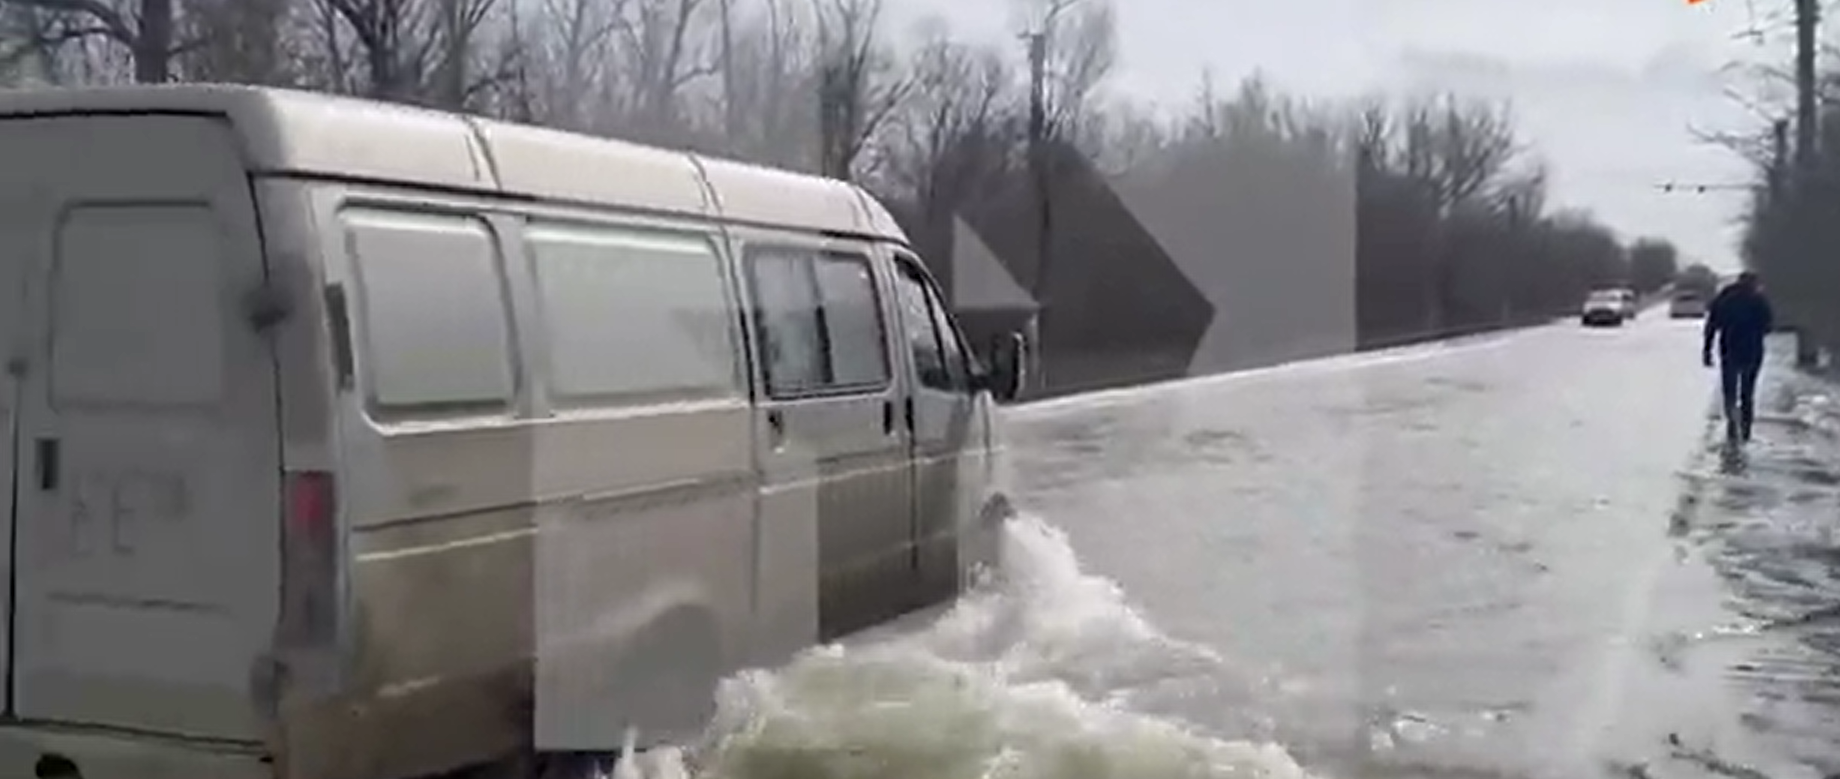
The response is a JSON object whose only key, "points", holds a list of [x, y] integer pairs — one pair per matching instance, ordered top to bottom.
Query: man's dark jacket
{"points": [[1739, 318]]}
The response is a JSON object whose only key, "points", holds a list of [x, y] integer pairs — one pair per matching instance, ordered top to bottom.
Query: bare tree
{"points": [[457, 26], [147, 31], [390, 40], [241, 41], [31, 43], [1082, 48], [419, 51], [569, 51], [660, 56], [726, 62], [858, 85], [1767, 92], [957, 98], [767, 107], [1373, 136], [1129, 138], [1455, 151], [1522, 197]]}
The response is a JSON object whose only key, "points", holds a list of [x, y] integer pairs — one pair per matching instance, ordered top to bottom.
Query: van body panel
{"points": [[286, 131], [556, 164], [772, 198], [25, 215], [880, 222], [302, 343], [941, 410], [837, 454], [837, 464], [984, 505], [437, 519], [673, 532], [570, 546], [146, 569], [644, 584], [414, 730], [113, 755]]}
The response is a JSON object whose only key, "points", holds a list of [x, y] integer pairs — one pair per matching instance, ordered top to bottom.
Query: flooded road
{"points": [[1510, 556], [1423, 563]]}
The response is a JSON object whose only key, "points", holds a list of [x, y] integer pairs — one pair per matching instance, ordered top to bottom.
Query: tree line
{"points": [[1789, 221], [1452, 225]]}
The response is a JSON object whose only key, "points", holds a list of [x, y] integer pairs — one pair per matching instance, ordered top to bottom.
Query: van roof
{"points": [[304, 133]]}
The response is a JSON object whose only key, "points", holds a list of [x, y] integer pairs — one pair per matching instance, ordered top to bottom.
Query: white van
{"points": [[352, 440]]}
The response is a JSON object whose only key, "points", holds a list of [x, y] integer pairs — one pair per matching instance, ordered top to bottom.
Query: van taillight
{"points": [[310, 501], [309, 561]]}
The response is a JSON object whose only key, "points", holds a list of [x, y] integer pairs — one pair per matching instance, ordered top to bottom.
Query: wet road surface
{"points": [[1510, 556], [1458, 561], [1748, 651]]}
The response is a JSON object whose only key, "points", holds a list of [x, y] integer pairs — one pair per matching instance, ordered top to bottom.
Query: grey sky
{"points": [[1604, 90]]}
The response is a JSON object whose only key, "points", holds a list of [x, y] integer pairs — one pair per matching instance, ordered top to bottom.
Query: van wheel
{"points": [[674, 663], [546, 765]]}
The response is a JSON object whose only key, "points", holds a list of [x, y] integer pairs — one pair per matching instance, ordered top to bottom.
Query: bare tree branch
{"points": [[110, 20]]}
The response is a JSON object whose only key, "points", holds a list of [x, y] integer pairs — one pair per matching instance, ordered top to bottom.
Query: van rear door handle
{"points": [[887, 417], [776, 427], [48, 464]]}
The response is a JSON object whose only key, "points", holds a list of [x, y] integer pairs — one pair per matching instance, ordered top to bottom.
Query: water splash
{"points": [[1025, 678]]}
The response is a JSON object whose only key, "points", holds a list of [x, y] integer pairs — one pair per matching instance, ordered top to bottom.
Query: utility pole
{"points": [[1807, 20], [1807, 153], [1040, 159], [1779, 160]]}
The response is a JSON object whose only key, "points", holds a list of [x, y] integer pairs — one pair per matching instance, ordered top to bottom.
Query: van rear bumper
{"points": [[109, 755]]}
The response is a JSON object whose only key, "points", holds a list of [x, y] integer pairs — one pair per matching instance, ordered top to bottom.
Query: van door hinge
{"points": [[266, 306], [267, 675]]}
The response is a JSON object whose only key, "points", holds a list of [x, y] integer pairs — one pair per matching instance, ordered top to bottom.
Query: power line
{"points": [[1807, 21], [1701, 187]]}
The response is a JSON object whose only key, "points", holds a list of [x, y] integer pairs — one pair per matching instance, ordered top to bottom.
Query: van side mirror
{"points": [[1005, 376]]}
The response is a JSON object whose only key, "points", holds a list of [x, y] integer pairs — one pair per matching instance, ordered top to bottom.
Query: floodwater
{"points": [[1511, 556]]}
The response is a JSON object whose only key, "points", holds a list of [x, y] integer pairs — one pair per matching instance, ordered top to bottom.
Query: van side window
{"points": [[136, 311], [433, 315], [635, 315], [819, 320], [852, 320], [922, 335], [939, 358], [958, 365]]}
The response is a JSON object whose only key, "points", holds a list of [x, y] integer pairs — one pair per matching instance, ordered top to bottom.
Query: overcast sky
{"points": [[1604, 90]]}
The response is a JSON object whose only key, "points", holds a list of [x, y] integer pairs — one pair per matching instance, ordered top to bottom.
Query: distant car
{"points": [[1631, 304], [1687, 305], [1607, 308]]}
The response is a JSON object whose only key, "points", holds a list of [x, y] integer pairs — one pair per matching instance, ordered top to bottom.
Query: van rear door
{"points": [[145, 453]]}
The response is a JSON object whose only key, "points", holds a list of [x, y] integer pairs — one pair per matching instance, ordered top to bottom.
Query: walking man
{"points": [[1739, 319]]}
